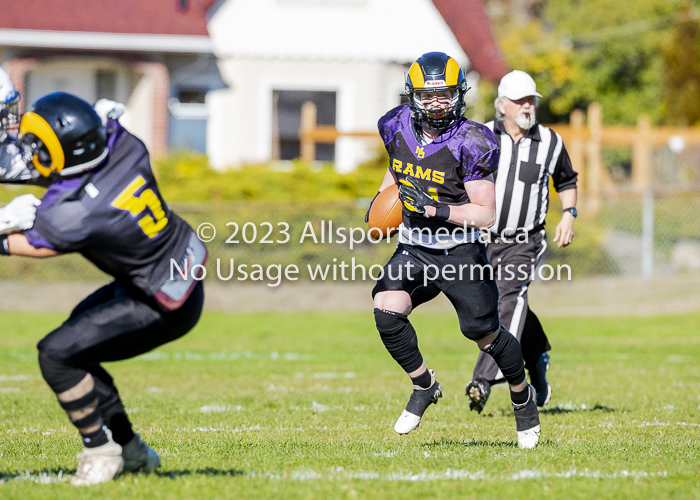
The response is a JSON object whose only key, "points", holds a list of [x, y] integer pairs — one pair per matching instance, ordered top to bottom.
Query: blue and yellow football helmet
{"points": [[436, 72], [65, 134]]}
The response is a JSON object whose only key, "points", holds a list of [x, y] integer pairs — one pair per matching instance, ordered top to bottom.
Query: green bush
{"points": [[185, 176]]}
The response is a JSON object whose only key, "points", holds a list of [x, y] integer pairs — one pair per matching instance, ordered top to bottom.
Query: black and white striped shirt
{"points": [[522, 179]]}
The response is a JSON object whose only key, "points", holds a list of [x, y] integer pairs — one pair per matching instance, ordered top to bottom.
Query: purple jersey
{"points": [[466, 151], [116, 218]]}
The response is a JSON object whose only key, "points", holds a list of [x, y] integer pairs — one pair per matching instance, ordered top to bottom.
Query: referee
{"points": [[530, 154]]}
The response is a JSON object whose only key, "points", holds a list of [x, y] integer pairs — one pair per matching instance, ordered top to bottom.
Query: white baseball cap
{"points": [[516, 85]]}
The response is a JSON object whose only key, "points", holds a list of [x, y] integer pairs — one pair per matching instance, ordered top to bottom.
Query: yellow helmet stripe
{"points": [[451, 73], [416, 75], [32, 123]]}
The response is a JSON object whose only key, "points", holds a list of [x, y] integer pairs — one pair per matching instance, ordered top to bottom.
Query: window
{"points": [[106, 84], [192, 96], [287, 121], [187, 128]]}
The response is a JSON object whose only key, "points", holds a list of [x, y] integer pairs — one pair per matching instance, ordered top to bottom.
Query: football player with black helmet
{"points": [[9, 105], [443, 164], [103, 202], [19, 214]]}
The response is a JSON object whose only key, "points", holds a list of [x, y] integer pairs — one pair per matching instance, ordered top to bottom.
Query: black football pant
{"points": [[474, 297], [513, 310], [112, 324]]}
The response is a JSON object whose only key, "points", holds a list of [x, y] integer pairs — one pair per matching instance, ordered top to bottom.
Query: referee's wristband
{"points": [[442, 211], [4, 245]]}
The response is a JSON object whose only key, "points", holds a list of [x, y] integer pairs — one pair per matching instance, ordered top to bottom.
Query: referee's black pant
{"points": [[513, 310]]}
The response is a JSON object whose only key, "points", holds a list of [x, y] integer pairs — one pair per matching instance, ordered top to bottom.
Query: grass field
{"points": [[302, 406]]}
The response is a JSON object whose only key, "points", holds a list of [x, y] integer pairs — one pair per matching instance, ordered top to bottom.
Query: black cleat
{"points": [[538, 379], [478, 391], [410, 418], [527, 421]]}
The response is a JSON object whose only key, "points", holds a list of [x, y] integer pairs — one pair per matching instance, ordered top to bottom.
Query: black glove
{"points": [[415, 198], [370, 207]]}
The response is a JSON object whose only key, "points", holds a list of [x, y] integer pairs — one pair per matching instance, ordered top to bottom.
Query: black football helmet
{"points": [[436, 72], [65, 134]]}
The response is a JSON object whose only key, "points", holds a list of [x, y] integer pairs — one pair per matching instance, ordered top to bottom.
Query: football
{"points": [[386, 213]]}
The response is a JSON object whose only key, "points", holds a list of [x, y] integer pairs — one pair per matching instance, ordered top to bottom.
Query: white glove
{"points": [[107, 108], [19, 213]]}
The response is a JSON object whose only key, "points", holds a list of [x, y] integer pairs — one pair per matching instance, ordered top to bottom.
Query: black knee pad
{"points": [[399, 338], [506, 352], [58, 373]]}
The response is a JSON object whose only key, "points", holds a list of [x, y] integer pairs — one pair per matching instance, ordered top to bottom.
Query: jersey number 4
{"points": [[127, 200]]}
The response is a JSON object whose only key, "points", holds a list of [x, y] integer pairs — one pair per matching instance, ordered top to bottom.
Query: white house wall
{"points": [[387, 30], [360, 49], [77, 76], [138, 117], [241, 120]]}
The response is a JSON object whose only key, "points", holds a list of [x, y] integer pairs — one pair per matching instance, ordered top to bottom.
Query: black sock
{"points": [[508, 356], [423, 381], [521, 397], [121, 429], [96, 438]]}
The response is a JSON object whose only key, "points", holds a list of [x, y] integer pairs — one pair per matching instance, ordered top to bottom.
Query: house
{"points": [[155, 56], [348, 57], [230, 77]]}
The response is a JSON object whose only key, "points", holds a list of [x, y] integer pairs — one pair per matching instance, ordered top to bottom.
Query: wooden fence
{"points": [[584, 140]]}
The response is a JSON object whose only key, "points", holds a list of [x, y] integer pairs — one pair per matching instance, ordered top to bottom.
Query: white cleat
{"points": [[527, 421], [407, 422], [528, 439], [139, 456], [99, 465]]}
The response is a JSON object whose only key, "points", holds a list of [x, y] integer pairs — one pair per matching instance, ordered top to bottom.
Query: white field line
{"points": [[221, 356], [15, 378], [215, 408], [656, 423], [251, 428], [46, 432], [452, 474], [423, 476], [40, 478]]}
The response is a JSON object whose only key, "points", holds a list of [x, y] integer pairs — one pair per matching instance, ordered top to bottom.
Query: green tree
{"points": [[606, 51], [682, 71]]}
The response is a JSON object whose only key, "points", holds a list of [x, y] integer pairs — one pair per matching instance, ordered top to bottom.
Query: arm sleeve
{"points": [[388, 127], [564, 176], [63, 228]]}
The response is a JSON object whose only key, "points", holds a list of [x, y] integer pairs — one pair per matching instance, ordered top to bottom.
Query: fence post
{"points": [[308, 125], [275, 146], [576, 148], [641, 154], [595, 164], [648, 236]]}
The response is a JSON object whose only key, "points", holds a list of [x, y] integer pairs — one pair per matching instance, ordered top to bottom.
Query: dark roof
{"points": [[152, 17], [468, 21]]}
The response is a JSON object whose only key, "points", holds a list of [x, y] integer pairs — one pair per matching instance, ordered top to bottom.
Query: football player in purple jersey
{"points": [[443, 164], [103, 202]]}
